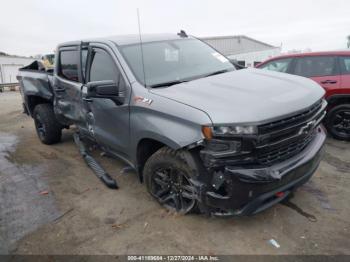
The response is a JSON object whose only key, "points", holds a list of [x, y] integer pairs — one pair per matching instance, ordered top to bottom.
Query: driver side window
{"points": [[280, 65], [103, 67]]}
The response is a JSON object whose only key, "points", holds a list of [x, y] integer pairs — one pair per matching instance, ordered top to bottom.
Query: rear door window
{"points": [[280, 65], [345, 65], [315, 66], [68, 68]]}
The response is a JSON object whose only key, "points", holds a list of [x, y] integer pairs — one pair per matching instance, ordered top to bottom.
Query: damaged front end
{"points": [[246, 174]]}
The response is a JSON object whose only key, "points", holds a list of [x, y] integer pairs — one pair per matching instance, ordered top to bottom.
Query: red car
{"points": [[332, 71]]}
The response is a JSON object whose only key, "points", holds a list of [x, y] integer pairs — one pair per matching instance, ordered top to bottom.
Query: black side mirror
{"points": [[235, 63], [103, 89]]}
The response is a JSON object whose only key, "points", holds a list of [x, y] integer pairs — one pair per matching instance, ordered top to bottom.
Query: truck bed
{"points": [[35, 83]]}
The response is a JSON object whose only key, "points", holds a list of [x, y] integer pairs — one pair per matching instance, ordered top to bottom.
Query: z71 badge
{"points": [[144, 100]]}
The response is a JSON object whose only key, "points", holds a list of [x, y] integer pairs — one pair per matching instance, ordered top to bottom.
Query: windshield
{"points": [[174, 61]]}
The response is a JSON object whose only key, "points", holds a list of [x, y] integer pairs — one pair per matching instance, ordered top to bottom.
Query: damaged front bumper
{"points": [[247, 191]]}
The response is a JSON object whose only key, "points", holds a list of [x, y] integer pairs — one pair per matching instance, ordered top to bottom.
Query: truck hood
{"points": [[246, 96]]}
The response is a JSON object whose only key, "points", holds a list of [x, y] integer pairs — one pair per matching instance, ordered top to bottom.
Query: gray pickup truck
{"points": [[200, 134]]}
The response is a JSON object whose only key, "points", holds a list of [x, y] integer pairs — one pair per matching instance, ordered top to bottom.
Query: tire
{"points": [[338, 122], [49, 130], [167, 174]]}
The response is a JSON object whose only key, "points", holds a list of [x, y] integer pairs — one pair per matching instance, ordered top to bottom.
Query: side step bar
{"points": [[94, 165]]}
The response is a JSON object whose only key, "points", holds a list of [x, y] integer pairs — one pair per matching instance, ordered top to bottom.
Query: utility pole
{"points": [[348, 41]]}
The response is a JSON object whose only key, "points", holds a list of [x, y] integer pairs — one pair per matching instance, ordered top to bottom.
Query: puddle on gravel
{"points": [[319, 194], [322, 198], [22, 208]]}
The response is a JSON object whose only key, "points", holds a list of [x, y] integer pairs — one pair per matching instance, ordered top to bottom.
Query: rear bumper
{"points": [[238, 191]]}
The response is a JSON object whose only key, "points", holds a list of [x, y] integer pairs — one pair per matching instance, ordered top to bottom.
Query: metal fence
{"points": [[11, 86]]}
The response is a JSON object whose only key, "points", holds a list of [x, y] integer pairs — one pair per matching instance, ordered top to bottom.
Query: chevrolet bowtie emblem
{"points": [[307, 128]]}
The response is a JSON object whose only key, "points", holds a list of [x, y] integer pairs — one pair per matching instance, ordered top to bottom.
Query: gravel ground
{"points": [[51, 203]]}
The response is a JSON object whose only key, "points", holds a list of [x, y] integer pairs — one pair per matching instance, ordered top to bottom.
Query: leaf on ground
{"points": [[119, 226]]}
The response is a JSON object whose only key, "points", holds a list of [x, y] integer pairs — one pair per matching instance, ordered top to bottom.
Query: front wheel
{"points": [[338, 122], [49, 130], [168, 178]]}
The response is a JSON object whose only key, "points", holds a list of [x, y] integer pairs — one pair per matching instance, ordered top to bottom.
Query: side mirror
{"points": [[235, 63], [103, 89]]}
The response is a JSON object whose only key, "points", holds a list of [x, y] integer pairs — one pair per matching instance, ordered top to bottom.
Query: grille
{"points": [[300, 118], [285, 138], [283, 152]]}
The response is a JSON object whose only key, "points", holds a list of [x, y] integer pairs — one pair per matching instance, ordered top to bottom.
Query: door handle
{"points": [[329, 82], [60, 90], [87, 99]]}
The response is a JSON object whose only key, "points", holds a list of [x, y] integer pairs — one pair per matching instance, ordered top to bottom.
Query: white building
{"points": [[247, 51], [9, 66]]}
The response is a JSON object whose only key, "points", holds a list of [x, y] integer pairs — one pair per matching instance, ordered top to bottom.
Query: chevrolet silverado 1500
{"points": [[200, 134]]}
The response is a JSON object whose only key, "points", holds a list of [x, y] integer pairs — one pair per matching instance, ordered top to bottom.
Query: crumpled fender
{"points": [[34, 82]]}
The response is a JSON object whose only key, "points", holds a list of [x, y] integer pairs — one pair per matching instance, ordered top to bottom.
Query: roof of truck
{"points": [[129, 39], [134, 39]]}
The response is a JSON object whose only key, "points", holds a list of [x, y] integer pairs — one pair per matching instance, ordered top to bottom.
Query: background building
{"points": [[247, 51], [9, 66]]}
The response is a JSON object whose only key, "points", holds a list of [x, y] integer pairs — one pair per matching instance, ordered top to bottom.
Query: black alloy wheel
{"points": [[338, 122], [49, 130], [170, 176], [173, 189]]}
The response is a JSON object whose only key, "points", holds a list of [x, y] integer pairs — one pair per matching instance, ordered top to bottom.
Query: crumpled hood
{"points": [[246, 96]]}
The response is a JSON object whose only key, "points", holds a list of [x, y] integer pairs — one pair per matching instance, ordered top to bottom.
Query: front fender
{"points": [[169, 122], [173, 131], [159, 138]]}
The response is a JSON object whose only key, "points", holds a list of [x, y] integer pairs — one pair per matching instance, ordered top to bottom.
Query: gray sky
{"points": [[34, 27]]}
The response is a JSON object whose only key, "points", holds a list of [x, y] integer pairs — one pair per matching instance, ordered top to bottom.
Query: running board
{"points": [[94, 165]]}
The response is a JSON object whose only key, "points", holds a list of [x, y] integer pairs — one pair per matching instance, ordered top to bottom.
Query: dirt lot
{"points": [[79, 215]]}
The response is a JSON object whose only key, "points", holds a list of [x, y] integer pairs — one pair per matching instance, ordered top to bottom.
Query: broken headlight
{"points": [[226, 145]]}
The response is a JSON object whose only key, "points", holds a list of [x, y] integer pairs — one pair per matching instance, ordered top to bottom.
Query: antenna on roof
{"points": [[182, 33], [142, 59]]}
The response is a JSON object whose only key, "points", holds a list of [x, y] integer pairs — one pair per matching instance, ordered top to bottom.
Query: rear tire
{"points": [[338, 122], [49, 130], [168, 174]]}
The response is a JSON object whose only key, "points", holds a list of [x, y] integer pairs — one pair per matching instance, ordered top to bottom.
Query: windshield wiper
{"points": [[217, 72], [182, 81], [168, 83]]}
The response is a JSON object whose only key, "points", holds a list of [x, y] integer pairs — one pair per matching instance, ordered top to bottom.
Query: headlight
{"points": [[234, 130], [209, 132]]}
